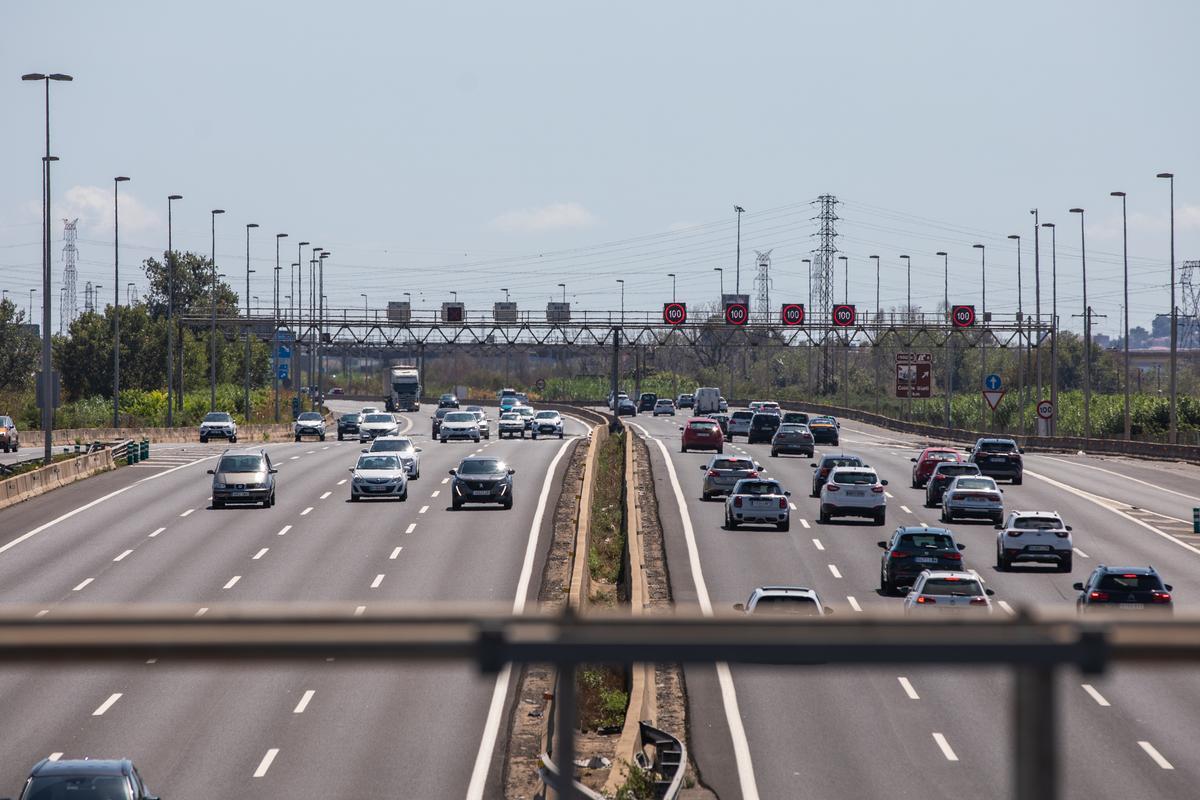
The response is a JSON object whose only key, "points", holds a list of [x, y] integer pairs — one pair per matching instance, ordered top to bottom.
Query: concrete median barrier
{"points": [[63, 473]]}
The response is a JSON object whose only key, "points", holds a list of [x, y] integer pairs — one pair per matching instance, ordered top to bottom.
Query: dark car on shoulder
{"points": [[348, 424], [762, 428], [998, 458], [942, 476], [914, 549], [1124, 589], [85, 779]]}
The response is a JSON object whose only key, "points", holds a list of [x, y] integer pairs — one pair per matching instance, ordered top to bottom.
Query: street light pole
{"points": [[117, 181], [1125, 258], [170, 267], [846, 273], [670, 275], [721, 275], [908, 278], [622, 282], [737, 285], [298, 294], [363, 295], [1037, 301], [878, 319], [321, 324], [1053, 325], [275, 330], [212, 334], [1087, 334], [983, 337], [950, 338], [1021, 342], [246, 362], [1173, 430]]}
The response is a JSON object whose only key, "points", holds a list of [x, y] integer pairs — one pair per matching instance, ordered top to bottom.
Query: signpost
{"points": [[792, 314], [914, 374], [992, 383], [1045, 412]]}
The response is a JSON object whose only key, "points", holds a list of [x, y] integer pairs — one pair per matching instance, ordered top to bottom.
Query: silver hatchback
{"points": [[722, 473]]}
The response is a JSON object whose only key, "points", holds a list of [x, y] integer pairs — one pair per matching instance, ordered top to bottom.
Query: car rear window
{"points": [[742, 415], [349, 417], [765, 421], [703, 426], [789, 428], [998, 447], [941, 456], [842, 461], [378, 462], [731, 463], [241, 464], [957, 469], [855, 478], [975, 483], [758, 487], [1036, 523], [927, 541], [1130, 582], [952, 587], [787, 604]]}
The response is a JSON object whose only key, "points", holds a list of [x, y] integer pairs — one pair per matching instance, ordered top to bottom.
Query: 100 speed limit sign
{"points": [[843, 315]]}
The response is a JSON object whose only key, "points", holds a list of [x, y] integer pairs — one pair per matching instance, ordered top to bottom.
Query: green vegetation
{"points": [[606, 556], [602, 698], [639, 785]]}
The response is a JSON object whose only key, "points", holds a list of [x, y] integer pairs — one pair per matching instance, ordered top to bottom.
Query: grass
{"points": [[606, 554], [602, 698], [639, 785]]}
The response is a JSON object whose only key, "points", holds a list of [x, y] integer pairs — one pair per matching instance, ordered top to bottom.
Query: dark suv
{"points": [[448, 401], [646, 401], [348, 424], [762, 428], [998, 458], [822, 468], [941, 478], [481, 479], [913, 549], [1124, 588], [85, 778]]}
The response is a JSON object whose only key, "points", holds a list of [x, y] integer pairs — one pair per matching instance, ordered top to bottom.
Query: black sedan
{"points": [[348, 425], [480, 479], [911, 551], [1124, 589]]}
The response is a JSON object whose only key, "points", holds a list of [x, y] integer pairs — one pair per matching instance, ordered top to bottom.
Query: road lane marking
{"points": [[326, 447], [310, 452], [294, 458], [1123, 478], [343, 480], [445, 480], [436, 492], [888, 495], [322, 497], [792, 506], [423, 509], [906, 509], [189, 511], [305, 511], [804, 522], [412, 526], [284, 530], [156, 532], [818, 545], [395, 553], [1080, 553], [259, 554], [122, 556], [833, 568], [378, 580], [232, 582], [83, 585], [853, 601], [1005, 606], [360, 610], [200, 612], [41, 613], [907, 686], [1095, 695], [304, 701], [107, 704], [491, 728], [947, 750], [1155, 755], [55, 756], [265, 764]]}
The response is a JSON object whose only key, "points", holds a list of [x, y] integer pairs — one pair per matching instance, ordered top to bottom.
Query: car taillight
{"points": [[712, 473], [824, 473], [752, 474], [833, 487], [877, 489], [737, 502], [782, 503], [1013, 533], [1062, 534], [900, 554], [953, 556], [1101, 596], [1157, 596], [924, 600], [979, 601]]}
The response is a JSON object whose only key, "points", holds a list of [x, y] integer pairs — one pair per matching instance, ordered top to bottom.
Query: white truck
{"points": [[404, 388], [708, 400]]}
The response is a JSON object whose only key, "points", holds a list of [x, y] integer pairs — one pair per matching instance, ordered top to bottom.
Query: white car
{"points": [[614, 401], [664, 406], [526, 415], [309, 423], [547, 423], [378, 424], [510, 424], [739, 424], [218, 425], [459, 425], [485, 425], [403, 448], [378, 475], [853, 492], [974, 497], [759, 501], [1034, 536], [948, 591], [797, 601]]}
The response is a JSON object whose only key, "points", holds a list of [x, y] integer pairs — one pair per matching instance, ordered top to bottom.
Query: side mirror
{"points": [[680, 427], [968, 449], [365, 450], [417, 450], [1021, 450], [913, 460], [813, 465], [758, 466], [702, 467], [351, 469], [273, 470], [512, 471], [212, 472], [453, 472], [883, 482], [998, 489], [787, 494], [998, 527], [1069, 528], [882, 544], [961, 546], [1077, 586], [1170, 588], [989, 592], [739, 606]]}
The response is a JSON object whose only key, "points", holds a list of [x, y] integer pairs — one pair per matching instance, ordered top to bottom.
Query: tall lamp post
{"points": [[117, 181], [1125, 259], [170, 267], [846, 274], [671, 275], [721, 275], [622, 282], [737, 285], [363, 295], [908, 295], [878, 306], [878, 320], [321, 323], [1053, 325], [275, 330], [212, 333], [246, 334], [1087, 334], [983, 337], [949, 339], [1022, 343], [297, 361], [47, 365], [1174, 429]]}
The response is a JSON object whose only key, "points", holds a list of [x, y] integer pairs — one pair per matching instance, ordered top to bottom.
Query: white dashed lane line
{"points": [[310, 452], [294, 458], [445, 480], [342, 481], [436, 492], [325, 495], [888, 495], [792, 506], [423, 509], [906, 509], [190, 510], [305, 511], [804, 523], [412, 526], [284, 530], [156, 532], [818, 545], [395, 553], [1080, 553], [259, 554], [122, 556], [833, 569], [378, 580], [232, 582], [83, 584], [853, 601], [1005, 606], [360, 610], [200, 612], [907, 686], [1095, 695], [304, 701], [107, 704], [947, 750], [55, 756], [1155, 756], [265, 764]]}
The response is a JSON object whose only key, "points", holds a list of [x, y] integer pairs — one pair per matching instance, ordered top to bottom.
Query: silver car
{"points": [[309, 423], [547, 423], [510, 424], [739, 424], [376, 425], [459, 425], [485, 425], [792, 438], [403, 448], [722, 473], [243, 475], [379, 475], [973, 496], [757, 501], [945, 590]]}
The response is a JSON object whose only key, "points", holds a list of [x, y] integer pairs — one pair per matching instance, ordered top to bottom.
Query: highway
{"points": [[147, 534], [825, 732]]}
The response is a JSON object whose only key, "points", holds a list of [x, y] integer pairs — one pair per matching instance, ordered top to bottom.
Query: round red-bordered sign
{"points": [[674, 313], [737, 313], [792, 314], [843, 315], [962, 316]]}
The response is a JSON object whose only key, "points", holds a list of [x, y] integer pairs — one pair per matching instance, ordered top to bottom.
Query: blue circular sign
{"points": [[992, 382]]}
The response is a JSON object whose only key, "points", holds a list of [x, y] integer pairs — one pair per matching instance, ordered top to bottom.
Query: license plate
{"points": [[998, 460], [481, 491], [856, 493], [241, 494], [760, 503], [1038, 548], [926, 560], [1134, 606]]}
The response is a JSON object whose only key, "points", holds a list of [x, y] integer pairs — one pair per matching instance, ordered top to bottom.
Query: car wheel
{"points": [[522, 434], [534, 434], [560, 434], [297, 437], [322, 437], [340, 437], [233, 439], [203, 440], [442, 440], [683, 448], [720, 450], [774, 454], [1017, 480], [915, 485], [404, 496], [705, 496], [353, 497], [272, 499], [218, 503], [456, 504], [508, 504], [823, 517], [944, 517], [881, 518], [730, 524], [784, 526], [1002, 563], [1066, 565], [885, 586]]}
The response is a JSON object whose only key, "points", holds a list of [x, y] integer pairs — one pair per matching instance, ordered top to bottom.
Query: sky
{"points": [[477, 146]]}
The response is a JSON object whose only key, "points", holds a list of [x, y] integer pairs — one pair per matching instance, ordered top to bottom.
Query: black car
{"points": [[448, 401], [646, 401], [437, 418], [795, 418], [722, 421], [348, 424], [762, 428], [998, 458], [822, 468], [943, 475], [481, 479], [912, 550], [1124, 589], [86, 778]]}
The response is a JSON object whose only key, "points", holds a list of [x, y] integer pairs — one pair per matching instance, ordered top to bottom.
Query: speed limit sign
{"points": [[674, 313], [736, 313], [792, 314], [843, 315], [962, 316], [1045, 409]]}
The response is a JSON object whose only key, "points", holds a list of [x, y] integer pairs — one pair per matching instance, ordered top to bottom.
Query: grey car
{"points": [[792, 438], [403, 448], [722, 473], [243, 475], [379, 475], [480, 479], [975, 497]]}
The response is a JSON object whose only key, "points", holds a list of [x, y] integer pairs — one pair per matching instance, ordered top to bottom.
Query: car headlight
{"points": [[218, 485]]}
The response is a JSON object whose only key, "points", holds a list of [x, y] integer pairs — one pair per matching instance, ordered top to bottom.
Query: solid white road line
{"points": [[1124, 478], [322, 497], [423, 509], [906, 509], [189, 511], [305, 511], [804, 522], [412, 526], [284, 530], [156, 532], [818, 545], [395, 553], [1080, 553], [259, 554], [122, 556], [833, 568], [378, 580], [232, 582], [83, 584], [853, 601], [200, 612], [907, 686], [1095, 695], [304, 701], [107, 704], [491, 727], [947, 750], [1156, 756], [265, 764]]}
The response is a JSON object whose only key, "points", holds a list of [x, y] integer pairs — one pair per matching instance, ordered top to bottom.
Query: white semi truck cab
{"points": [[404, 389]]}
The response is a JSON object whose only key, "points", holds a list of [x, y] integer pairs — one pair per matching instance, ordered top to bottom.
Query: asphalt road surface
{"points": [[146, 533], [924, 733]]}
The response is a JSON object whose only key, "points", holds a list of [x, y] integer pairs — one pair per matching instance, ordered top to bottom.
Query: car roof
{"points": [[700, 419], [392, 439], [1003, 439], [939, 449], [244, 451], [829, 456], [853, 468], [1048, 514], [922, 529], [1150, 570], [961, 575], [799, 591], [83, 766]]}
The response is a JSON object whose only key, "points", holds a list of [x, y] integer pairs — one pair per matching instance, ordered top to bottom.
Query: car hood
{"points": [[309, 423], [380, 426], [390, 474], [483, 476], [240, 477]]}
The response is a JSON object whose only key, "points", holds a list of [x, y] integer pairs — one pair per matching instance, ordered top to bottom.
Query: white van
{"points": [[708, 400]]}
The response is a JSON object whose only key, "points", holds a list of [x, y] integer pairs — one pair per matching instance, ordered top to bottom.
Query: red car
{"points": [[702, 433], [924, 464]]}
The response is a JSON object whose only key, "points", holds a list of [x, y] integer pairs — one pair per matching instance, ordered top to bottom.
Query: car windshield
{"points": [[665, 403], [546, 414], [216, 416], [309, 416], [460, 416], [349, 417], [510, 417], [379, 418], [6, 422], [703, 426], [392, 446], [998, 447], [378, 462], [731, 463], [241, 464], [480, 466], [956, 469], [855, 478], [975, 483], [758, 487], [1036, 523], [927, 541], [1130, 582], [952, 587], [787, 604], [98, 787]]}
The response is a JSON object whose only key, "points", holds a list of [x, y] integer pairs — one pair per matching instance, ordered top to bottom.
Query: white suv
{"points": [[309, 423], [547, 423], [216, 424], [739, 424], [853, 492], [1034, 536], [941, 590], [797, 601]]}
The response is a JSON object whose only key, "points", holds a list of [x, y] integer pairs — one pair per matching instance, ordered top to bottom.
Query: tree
{"points": [[18, 349]]}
